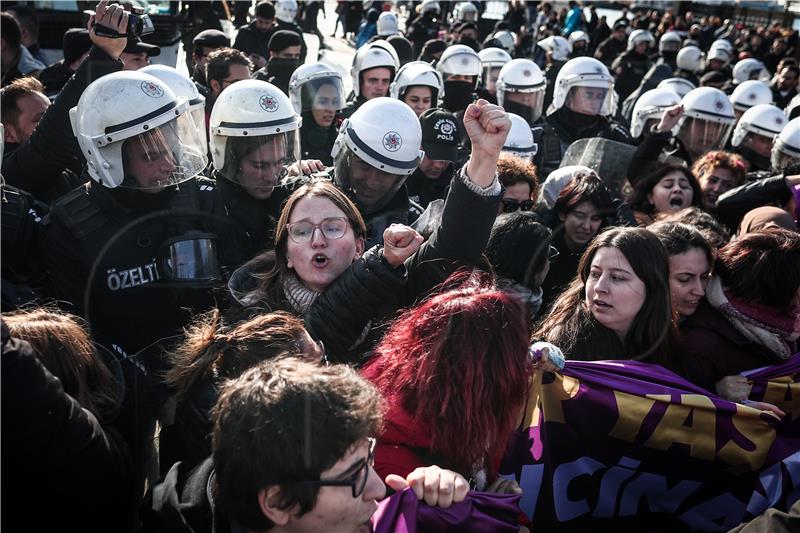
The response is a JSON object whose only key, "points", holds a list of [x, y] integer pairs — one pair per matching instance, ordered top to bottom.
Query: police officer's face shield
{"points": [[489, 77], [321, 99], [596, 99], [526, 103], [197, 108], [700, 135], [162, 156], [783, 156], [257, 164], [370, 187], [190, 258]]}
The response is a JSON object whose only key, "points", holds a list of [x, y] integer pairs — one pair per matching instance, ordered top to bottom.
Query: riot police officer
{"points": [[317, 94], [583, 103]]}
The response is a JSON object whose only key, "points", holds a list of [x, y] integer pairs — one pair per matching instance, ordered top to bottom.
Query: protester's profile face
{"points": [[134, 61], [787, 79], [375, 82], [419, 98], [586, 100], [326, 103], [31, 109], [149, 161], [433, 168], [261, 169], [716, 183], [370, 184], [673, 192], [581, 225], [319, 261], [689, 273], [614, 293], [336, 511]]}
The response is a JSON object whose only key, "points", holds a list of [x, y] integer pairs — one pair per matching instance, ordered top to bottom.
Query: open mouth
{"points": [[676, 202], [319, 260], [601, 304]]}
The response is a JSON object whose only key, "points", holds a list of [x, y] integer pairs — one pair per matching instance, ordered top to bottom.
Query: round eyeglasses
{"points": [[332, 228]]}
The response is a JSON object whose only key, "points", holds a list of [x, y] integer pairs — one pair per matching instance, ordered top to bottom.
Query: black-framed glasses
{"points": [[510, 205], [332, 228], [552, 254], [358, 481]]}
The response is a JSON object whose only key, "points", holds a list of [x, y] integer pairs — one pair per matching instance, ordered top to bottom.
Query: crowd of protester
{"points": [[230, 295]]}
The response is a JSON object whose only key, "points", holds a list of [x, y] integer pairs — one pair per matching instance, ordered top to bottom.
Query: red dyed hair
{"points": [[459, 364]]}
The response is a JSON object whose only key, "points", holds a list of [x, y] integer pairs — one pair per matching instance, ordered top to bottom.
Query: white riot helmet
{"points": [[286, 10], [467, 12], [387, 24], [578, 35], [640, 36], [507, 40], [669, 42], [723, 44], [559, 47], [719, 54], [373, 55], [690, 58], [459, 59], [492, 60], [749, 69], [585, 72], [417, 73], [524, 79], [182, 85], [679, 86], [317, 87], [750, 93], [650, 107], [761, 119], [707, 120], [135, 132], [385, 134], [254, 135], [519, 142], [787, 144]]}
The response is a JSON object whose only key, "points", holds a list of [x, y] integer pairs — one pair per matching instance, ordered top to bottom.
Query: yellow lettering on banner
{"points": [[561, 389], [784, 395], [631, 412], [747, 421], [699, 433]]}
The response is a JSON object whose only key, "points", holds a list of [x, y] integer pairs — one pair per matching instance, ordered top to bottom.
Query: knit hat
{"points": [[283, 39], [76, 42]]}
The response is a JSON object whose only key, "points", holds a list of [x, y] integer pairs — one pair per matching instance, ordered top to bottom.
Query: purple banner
{"points": [[778, 385], [632, 444]]}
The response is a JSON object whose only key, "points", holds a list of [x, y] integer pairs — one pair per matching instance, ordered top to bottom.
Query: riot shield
{"points": [[610, 159]]}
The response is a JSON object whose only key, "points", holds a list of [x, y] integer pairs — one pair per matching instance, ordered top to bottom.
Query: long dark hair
{"points": [[638, 198], [518, 247], [571, 326]]}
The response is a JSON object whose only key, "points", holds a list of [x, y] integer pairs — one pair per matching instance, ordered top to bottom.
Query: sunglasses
{"points": [[510, 205], [332, 228], [358, 481]]}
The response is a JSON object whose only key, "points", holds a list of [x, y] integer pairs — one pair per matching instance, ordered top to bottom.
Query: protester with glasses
{"points": [[520, 183], [579, 212], [319, 266], [292, 451]]}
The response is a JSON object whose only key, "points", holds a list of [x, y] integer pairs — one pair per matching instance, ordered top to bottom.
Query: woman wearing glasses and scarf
{"points": [[319, 269]]}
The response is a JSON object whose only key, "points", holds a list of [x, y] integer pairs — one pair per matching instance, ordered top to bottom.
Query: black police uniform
{"points": [[563, 127]]}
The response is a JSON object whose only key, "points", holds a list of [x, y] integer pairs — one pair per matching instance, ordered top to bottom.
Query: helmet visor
{"points": [[489, 76], [322, 97], [591, 100], [526, 104], [701, 136], [165, 155], [258, 164], [370, 187]]}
